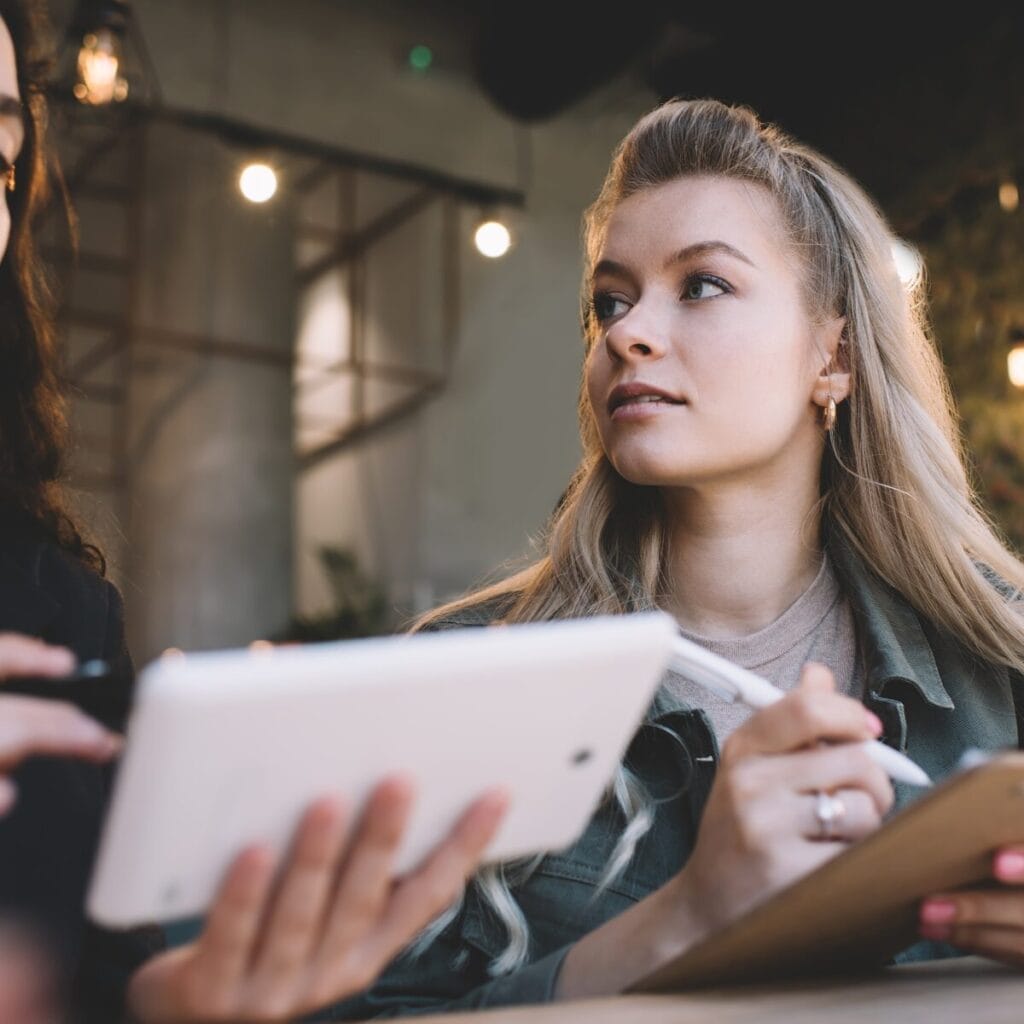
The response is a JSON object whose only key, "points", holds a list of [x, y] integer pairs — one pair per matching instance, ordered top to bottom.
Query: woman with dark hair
{"points": [[51, 590], [280, 939]]}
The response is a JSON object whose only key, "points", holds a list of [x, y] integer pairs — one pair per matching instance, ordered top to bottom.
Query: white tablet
{"points": [[227, 748]]}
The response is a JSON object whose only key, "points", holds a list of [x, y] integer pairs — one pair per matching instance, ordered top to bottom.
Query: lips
{"points": [[638, 393]]}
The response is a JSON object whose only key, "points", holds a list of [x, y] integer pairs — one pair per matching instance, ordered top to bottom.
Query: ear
{"points": [[834, 378]]}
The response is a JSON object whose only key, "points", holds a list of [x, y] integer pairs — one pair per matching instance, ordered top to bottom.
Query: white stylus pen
{"points": [[731, 682]]}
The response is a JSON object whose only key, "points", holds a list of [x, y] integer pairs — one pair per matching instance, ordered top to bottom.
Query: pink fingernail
{"points": [[1010, 865], [938, 912], [935, 932]]}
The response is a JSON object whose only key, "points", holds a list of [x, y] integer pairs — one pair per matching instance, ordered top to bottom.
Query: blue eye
{"points": [[695, 287], [606, 306]]}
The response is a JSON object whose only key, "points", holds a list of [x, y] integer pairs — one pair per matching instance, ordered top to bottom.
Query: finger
{"points": [[27, 656], [802, 718], [29, 726], [827, 769], [857, 816], [1008, 865], [365, 879], [435, 885], [999, 908], [296, 919], [1004, 944], [225, 947]]}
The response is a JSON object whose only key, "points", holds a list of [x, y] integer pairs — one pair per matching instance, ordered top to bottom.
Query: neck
{"points": [[742, 553]]}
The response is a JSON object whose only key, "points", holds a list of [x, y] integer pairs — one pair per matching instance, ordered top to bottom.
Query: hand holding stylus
{"points": [[731, 682]]}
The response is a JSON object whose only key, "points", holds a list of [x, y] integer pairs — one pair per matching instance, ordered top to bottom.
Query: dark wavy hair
{"points": [[33, 421]]}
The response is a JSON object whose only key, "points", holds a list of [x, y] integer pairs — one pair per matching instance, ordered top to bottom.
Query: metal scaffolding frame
{"points": [[98, 342]]}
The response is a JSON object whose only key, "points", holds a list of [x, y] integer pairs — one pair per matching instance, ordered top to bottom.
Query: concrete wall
{"points": [[210, 464], [436, 501]]}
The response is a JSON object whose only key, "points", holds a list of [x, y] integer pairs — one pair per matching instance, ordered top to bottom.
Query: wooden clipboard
{"points": [[859, 909]]}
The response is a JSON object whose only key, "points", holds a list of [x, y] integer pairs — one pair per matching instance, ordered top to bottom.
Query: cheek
{"points": [[596, 380]]}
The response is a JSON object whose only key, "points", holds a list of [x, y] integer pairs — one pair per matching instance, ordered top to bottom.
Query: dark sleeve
{"points": [[110, 957], [451, 975]]}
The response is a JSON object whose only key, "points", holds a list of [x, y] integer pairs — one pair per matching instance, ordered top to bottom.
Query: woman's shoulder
{"points": [[39, 561], [48, 591], [481, 613]]}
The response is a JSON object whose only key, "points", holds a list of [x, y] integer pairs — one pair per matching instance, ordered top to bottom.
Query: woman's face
{"points": [[12, 132], [706, 364]]}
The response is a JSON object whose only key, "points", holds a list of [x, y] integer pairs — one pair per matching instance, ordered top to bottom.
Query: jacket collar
{"points": [[893, 639]]}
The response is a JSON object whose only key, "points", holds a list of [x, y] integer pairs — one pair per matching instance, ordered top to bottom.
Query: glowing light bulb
{"points": [[99, 60], [258, 182], [1009, 197], [492, 239], [909, 264], [1015, 366]]}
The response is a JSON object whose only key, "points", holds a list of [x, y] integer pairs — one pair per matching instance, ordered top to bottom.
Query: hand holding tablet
{"points": [[225, 749], [329, 923]]}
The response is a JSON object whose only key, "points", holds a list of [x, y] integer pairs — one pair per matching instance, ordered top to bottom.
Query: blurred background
{"points": [[311, 398]]}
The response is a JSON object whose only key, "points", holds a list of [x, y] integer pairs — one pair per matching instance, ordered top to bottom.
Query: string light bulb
{"points": [[258, 182], [1009, 197], [492, 239], [1015, 358]]}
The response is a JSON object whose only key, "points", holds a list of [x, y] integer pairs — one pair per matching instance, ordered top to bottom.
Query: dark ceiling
{"points": [[913, 105]]}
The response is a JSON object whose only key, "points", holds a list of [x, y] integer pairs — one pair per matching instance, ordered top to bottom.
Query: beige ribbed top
{"points": [[818, 626]]}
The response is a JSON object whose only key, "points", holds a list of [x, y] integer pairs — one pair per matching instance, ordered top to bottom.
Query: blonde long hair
{"points": [[894, 483]]}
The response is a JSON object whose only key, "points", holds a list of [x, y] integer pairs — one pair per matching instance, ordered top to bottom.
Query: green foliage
{"points": [[975, 261], [994, 432], [360, 606]]}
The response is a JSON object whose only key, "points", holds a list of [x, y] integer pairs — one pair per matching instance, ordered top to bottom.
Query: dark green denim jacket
{"points": [[935, 701]]}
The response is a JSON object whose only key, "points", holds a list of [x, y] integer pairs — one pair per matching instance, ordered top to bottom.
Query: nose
{"points": [[638, 336]]}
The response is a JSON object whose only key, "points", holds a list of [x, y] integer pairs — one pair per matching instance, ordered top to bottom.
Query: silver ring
{"points": [[829, 811]]}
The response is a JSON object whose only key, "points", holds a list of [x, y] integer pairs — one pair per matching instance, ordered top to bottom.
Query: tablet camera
{"points": [[582, 756]]}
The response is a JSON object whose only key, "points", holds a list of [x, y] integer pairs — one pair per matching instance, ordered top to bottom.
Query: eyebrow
{"points": [[681, 256]]}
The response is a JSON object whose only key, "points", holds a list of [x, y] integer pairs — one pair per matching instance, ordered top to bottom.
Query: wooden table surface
{"points": [[965, 990]]}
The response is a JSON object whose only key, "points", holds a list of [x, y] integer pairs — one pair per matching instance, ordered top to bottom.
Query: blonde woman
{"points": [[772, 456]]}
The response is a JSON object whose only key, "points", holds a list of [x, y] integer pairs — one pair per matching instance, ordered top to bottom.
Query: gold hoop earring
{"points": [[828, 419]]}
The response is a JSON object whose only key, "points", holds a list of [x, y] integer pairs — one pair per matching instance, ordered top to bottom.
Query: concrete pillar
{"points": [[209, 417]]}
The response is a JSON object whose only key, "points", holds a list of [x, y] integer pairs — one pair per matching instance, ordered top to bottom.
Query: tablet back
{"points": [[227, 748]]}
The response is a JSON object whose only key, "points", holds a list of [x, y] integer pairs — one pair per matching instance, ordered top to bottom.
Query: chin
{"points": [[652, 469]]}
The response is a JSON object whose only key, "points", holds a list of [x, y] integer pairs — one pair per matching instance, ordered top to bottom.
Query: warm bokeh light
{"points": [[98, 63], [258, 182], [1009, 197], [492, 239], [909, 264], [1015, 366]]}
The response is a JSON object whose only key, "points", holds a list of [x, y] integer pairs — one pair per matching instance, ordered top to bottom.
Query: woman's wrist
{"points": [[615, 956]]}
